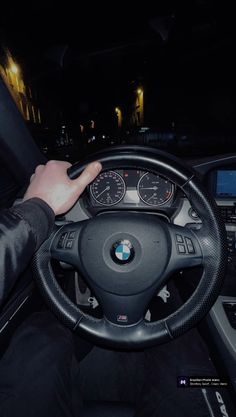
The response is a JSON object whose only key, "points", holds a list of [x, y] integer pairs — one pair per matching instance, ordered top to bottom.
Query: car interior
{"points": [[147, 253]]}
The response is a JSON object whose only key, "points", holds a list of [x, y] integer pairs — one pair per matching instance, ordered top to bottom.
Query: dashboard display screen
{"points": [[226, 183]]}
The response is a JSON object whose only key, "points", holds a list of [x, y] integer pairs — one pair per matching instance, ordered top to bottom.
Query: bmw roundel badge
{"points": [[122, 252]]}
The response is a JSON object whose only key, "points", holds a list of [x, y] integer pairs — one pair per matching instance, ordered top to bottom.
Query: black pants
{"points": [[39, 370], [39, 376]]}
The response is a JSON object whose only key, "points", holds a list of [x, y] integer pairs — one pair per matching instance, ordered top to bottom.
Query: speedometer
{"points": [[108, 188], [154, 190]]}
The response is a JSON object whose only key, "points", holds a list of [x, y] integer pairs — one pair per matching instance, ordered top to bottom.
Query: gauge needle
{"points": [[149, 188], [106, 189], [150, 197]]}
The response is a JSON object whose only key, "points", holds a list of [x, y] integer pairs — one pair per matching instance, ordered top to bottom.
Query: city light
{"points": [[14, 69], [139, 91], [119, 116]]}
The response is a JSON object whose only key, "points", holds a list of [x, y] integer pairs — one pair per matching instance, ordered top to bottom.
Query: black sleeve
{"points": [[22, 230]]}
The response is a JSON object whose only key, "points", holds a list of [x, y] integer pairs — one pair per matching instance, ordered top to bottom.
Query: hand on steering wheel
{"points": [[124, 285]]}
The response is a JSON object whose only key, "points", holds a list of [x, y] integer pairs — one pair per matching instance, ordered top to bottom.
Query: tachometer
{"points": [[108, 188], [154, 190]]}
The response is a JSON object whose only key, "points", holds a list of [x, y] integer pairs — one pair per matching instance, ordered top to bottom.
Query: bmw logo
{"points": [[122, 252]]}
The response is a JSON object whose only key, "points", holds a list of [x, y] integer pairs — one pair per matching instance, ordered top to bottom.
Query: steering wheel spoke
{"points": [[123, 310]]}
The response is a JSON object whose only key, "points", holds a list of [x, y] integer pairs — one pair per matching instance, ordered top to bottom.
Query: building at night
{"points": [[22, 93]]}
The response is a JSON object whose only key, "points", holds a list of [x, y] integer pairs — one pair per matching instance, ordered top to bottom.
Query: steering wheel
{"points": [[153, 251]]}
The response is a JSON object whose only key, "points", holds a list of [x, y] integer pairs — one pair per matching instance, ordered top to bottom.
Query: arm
{"points": [[24, 227], [21, 233]]}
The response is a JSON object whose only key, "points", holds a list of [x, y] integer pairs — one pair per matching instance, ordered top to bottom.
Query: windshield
{"points": [[163, 77]]}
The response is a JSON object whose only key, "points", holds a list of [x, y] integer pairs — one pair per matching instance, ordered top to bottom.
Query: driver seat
{"points": [[107, 409]]}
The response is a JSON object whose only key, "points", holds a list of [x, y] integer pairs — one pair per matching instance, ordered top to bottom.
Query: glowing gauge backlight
{"points": [[108, 188], [154, 190]]}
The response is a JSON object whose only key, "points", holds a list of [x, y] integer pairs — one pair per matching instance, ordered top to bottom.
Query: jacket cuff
{"points": [[40, 217]]}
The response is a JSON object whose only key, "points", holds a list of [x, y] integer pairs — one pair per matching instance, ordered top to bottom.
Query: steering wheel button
{"points": [[71, 235], [179, 239], [188, 241], [60, 243], [69, 244], [189, 244], [181, 249], [190, 249]]}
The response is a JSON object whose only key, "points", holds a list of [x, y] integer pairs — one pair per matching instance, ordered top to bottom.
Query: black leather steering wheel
{"points": [[125, 289]]}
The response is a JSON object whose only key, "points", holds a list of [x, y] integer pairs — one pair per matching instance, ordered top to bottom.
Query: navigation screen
{"points": [[226, 183]]}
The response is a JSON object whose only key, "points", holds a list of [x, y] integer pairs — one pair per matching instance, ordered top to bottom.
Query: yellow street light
{"points": [[14, 69], [139, 106], [119, 116]]}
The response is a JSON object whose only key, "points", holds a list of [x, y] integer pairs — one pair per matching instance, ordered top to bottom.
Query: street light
{"points": [[14, 69], [139, 106], [119, 116]]}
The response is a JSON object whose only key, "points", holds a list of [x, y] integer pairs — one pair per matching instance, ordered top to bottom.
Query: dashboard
{"points": [[130, 188], [143, 188]]}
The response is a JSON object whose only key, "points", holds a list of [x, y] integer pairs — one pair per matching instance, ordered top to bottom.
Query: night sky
{"points": [[183, 56]]}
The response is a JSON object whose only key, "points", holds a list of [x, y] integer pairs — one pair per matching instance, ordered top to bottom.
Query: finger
{"points": [[55, 163], [39, 168], [88, 175], [32, 177]]}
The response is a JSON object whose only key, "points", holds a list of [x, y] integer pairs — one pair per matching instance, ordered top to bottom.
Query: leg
{"points": [[185, 356], [38, 371]]}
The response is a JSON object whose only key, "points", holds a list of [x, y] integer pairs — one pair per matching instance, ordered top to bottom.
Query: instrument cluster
{"points": [[131, 187]]}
